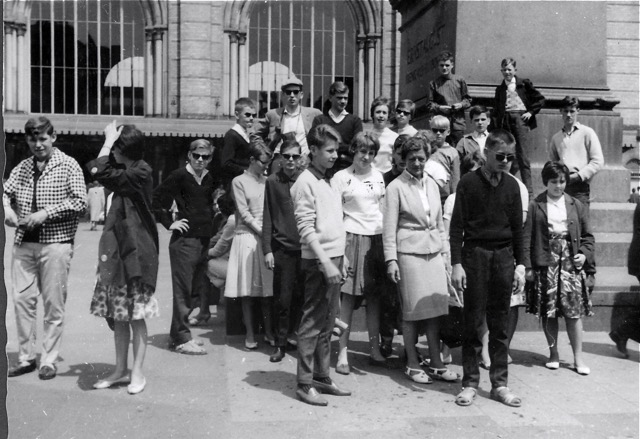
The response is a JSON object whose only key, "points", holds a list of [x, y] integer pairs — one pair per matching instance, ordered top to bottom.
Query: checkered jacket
{"points": [[60, 191]]}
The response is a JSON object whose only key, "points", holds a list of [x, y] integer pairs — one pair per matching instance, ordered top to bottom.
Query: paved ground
{"points": [[234, 393]]}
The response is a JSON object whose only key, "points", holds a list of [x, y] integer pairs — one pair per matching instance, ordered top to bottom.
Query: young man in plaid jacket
{"points": [[44, 198]]}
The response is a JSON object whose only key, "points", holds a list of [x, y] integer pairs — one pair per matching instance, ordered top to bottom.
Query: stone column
{"points": [[158, 63], [243, 66], [10, 67], [371, 69], [233, 70], [148, 72], [21, 77], [360, 96], [226, 105]]}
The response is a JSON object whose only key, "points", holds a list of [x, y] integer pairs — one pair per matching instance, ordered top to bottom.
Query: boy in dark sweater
{"points": [[192, 189], [486, 235], [281, 246]]}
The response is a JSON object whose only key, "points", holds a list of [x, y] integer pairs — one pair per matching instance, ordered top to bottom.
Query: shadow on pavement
{"points": [[88, 373], [277, 381]]}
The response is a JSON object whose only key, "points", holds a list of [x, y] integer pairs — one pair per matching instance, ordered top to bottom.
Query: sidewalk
{"points": [[234, 393]]}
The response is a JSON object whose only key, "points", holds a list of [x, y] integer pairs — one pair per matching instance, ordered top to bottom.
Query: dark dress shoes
{"points": [[621, 344], [277, 355], [22, 368], [47, 373], [330, 389], [311, 396]]}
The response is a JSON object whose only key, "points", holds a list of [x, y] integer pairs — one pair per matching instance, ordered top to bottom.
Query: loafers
{"points": [[278, 355], [553, 365], [22, 368], [582, 370], [47, 372], [105, 384], [133, 389], [330, 389], [311, 396]]}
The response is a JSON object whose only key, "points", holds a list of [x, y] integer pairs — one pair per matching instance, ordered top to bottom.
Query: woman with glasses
{"points": [[404, 114], [362, 190], [414, 240], [248, 276]]}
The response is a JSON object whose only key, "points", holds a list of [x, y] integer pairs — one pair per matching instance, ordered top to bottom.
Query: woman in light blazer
{"points": [[413, 238]]}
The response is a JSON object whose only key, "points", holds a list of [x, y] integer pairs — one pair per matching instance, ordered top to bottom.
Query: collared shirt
{"points": [[511, 85], [337, 118], [292, 123], [240, 130], [480, 138], [192, 171], [317, 173], [494, 178], [60, 191], [422, 192], [557, 215]]}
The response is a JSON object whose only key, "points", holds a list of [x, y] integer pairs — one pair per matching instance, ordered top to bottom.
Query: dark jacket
{"points": [[531, 98], [536, 231], [129, 243], [634, 249]]}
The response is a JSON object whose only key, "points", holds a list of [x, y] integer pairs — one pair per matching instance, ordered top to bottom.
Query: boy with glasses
{"points": [[404, 115], [235, 153], [191, 187], [486, 236]]}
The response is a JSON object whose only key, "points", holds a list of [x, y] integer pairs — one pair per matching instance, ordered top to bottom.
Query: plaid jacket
{"points": [[61, 192]]}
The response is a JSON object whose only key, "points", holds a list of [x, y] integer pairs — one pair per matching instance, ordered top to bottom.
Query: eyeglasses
{"points": [[292, 92], [406, 113], [250, 114], [438, 130], [197, 156], [290, 156], [500, 156], [264, 163]]}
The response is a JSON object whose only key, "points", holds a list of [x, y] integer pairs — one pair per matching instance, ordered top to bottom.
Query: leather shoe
{"points": [[278, 355], [22, 368], [47, 372], [330, 389], [311, 396]]}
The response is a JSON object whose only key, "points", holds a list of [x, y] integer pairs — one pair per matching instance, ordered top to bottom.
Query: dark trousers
{"points": [[521, 131], [582, 192], [188, 271], [489, 283], [287, 293], [318, 316]]}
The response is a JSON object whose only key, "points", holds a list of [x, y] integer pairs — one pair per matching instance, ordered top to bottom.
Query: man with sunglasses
{"points": [[292, 118], [191, 187]]}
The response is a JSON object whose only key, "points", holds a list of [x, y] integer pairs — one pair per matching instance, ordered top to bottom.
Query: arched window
{"points": [[314, 41], [87, 57]]}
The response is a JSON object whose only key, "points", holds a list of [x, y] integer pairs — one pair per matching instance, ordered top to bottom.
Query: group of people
{"points": [[311, 218]]}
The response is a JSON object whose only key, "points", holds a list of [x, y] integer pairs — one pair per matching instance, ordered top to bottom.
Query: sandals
{"points": [[443, 374], [418, 375], [505, 396], [466, 397]]}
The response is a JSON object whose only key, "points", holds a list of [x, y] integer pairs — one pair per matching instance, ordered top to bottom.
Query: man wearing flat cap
{"points": [[292, 118]]}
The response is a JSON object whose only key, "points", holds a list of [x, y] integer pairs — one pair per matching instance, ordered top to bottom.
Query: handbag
{"points": [[452, 325]]}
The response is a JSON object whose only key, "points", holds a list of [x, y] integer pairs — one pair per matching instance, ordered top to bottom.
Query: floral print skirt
{"points": [[559, 290], [134, 301]]}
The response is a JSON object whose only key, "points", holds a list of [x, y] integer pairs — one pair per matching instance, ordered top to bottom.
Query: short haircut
{"points": [[445, 55], [505, 62], [338, 87], [379, 101], [570, 101], [244, 102], [406, 104], [477, 110], [440, 121], [38, 125], [320, 134], [499, 136], [429, 137], [364, 140], [400, 140], [131, 142], [200, 143], [289, 143], [416, 143], [257, 148], [472, 160], [552, 170], [225, 204]]}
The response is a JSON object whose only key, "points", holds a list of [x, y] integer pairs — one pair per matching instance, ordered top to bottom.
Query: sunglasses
{"points": [[292, 92], [406, 113], [250, 114], [438, 130], [197, 156], [290, 156], [500, 156], [265, 163]]}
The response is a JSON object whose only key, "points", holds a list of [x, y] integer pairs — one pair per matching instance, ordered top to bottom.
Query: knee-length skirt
{"points": [[367, 270], [247, 274], [423, 289]]}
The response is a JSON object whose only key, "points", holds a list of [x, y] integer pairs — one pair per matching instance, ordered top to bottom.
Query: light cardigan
{"points": [[318, 212], [406, 228]]}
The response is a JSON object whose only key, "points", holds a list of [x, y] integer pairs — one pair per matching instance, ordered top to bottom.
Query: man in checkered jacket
{"points": [[47, 220]]}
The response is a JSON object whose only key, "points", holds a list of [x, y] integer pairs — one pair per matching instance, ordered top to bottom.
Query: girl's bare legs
{"points": [[346, 312], [247, 315], [139, 328], [373, 328], [550, 328], [574, 331], [410, 335], [121, 336], [433, 339]]}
